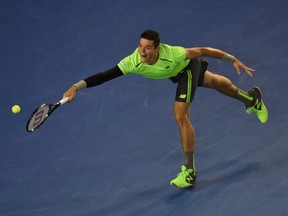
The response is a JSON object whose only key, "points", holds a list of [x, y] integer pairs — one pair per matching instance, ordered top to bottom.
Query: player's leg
{"points": [[226, 87], [186, 88], [251, 99], [187, 133], [187, 176]]}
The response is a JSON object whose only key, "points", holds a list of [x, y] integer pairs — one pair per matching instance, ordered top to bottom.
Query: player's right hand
{"points": [[71, 93]]}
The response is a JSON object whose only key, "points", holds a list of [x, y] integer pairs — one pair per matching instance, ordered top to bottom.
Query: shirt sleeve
{"points": [[179, 53], [130, 63], [126, 65]]}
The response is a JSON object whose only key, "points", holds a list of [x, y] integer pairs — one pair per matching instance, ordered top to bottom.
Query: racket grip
{"points": [[64, 100]]}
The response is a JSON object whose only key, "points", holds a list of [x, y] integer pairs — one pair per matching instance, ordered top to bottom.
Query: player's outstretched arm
{"points": [[92, 81]]}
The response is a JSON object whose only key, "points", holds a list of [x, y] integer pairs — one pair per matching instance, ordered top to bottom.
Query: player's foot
{"points": [[259, 108], [186, 178]]}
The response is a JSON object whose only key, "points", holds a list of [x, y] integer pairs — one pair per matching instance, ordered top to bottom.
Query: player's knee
{"points": [[181, 113], [181, 118]]}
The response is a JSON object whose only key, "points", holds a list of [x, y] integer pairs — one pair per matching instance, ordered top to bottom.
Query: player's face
{"points": [[147, 51]]}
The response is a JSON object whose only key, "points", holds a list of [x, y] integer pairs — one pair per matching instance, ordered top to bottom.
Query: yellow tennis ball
{"points": [[16, 109]]}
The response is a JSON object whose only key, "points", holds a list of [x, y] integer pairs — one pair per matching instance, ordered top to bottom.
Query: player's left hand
{"points": [[239, 65]]}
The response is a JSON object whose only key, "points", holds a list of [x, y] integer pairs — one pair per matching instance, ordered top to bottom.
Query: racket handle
{"points": [[64, 100]]}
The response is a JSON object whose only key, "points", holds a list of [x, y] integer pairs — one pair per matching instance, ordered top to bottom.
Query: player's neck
{"points": [[154, 60]]}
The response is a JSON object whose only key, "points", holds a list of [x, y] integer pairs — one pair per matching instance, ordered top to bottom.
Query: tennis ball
{"points": [[16, 109]]}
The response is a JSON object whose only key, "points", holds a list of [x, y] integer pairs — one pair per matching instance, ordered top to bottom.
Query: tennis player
{"points": [[184, 67]]}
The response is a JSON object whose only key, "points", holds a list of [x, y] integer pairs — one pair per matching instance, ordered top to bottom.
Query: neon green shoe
{"points": [[259, 108], [186, 178]]}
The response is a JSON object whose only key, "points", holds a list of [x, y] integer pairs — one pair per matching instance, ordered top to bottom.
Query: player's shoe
{"points": [[259, 108], [186, 178]]}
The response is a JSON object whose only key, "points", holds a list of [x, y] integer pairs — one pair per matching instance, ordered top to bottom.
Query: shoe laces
{"points": [[185, 173]]}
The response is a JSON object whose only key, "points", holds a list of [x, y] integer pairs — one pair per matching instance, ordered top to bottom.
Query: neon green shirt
{"points": [[171, 61]]}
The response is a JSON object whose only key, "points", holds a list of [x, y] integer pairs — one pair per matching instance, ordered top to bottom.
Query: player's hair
{"points": [[151, 35]]}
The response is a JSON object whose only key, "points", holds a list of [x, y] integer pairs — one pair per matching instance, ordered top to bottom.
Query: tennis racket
{"points": [[40, 115]]}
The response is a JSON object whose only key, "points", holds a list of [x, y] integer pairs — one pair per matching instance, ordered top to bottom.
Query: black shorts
{"points": [[188, 80]]}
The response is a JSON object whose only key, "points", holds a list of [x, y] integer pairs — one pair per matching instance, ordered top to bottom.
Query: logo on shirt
{"points": [[122, 63]]}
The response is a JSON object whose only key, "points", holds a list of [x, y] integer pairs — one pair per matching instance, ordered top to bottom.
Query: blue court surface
{"points": [[114, 150]]}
